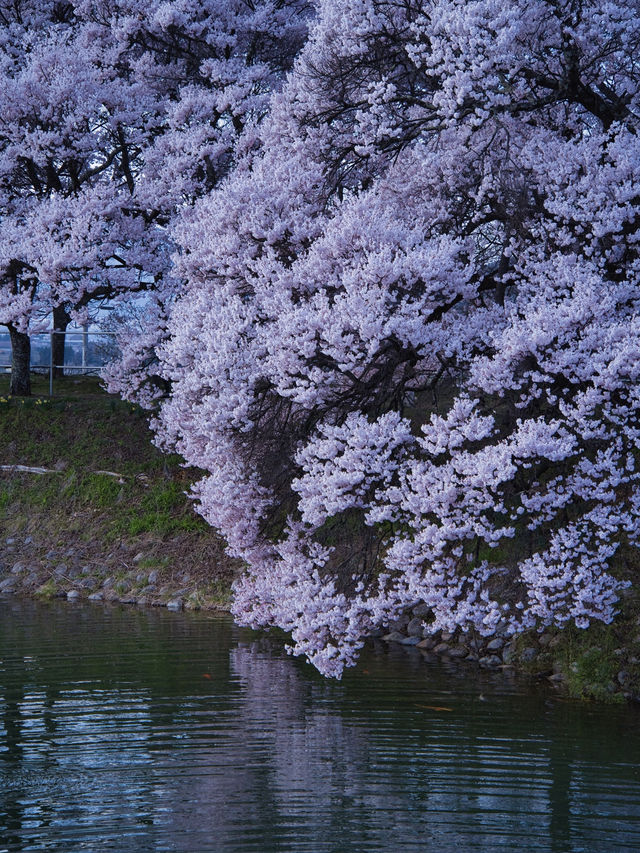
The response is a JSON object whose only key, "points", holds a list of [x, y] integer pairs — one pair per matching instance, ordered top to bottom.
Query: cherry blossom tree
{"points": [[21, 25], [210, 68], [115, 115], [70, 139], [416, 304]]}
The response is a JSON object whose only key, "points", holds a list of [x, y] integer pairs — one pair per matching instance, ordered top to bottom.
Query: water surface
{"points": [[144, 730]]}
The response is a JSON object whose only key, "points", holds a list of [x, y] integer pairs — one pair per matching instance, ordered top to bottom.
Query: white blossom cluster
{"points": [[113, 116], [444, 198], [405, 341]]}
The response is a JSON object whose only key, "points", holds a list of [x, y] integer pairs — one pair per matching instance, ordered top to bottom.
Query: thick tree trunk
{"points": [[61, 320], [20, 363]]}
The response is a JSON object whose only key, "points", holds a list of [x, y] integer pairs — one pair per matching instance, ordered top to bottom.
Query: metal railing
{"points": [[81, 354]]}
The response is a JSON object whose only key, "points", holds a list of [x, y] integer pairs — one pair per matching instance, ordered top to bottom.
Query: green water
{"points": [[135, 730]]}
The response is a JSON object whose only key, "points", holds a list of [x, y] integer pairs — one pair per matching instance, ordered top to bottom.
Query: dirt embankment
{"points": [[89, 508]]}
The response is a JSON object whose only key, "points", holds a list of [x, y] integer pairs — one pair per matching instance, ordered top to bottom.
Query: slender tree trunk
{"points": [[61, 320], [20, 362]]}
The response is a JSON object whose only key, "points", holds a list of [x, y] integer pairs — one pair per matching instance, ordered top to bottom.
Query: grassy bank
{"points": [[108, 516], [108, 519]]}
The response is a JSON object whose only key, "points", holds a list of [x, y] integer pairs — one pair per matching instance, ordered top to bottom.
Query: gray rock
{"points": [[10, 540], [28, 540], [50, 555], [138, 557], [17, 568], [60, 569], [153, 576], [140, 577], [30, 580], [107, 583], [8, 585], [73, 595], [96, 596], [175, 604], [421, 610], [401, 623], [415, 628], [446, 636], [394, 637], [410, 641], [428, 643], [495, 645], [442, 648], [458, 652], [509, 653], [528, 655], [490, 661], [623, 677], [557, 678]]}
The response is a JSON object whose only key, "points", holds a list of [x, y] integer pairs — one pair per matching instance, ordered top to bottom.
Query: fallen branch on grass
{"points": [[27, 469], [32, 469]]}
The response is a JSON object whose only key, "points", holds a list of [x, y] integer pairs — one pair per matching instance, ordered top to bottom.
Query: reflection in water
{"points": [[136, 731]]}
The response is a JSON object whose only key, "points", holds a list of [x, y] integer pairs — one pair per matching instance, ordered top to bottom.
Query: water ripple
{"points": [[142, 731]]}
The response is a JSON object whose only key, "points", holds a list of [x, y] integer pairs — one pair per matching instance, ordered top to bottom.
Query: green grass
{"points": [[73, 385], [82, 427], [107, 487], [162, 509], [47, 590], [591, 659], [592, 674]]}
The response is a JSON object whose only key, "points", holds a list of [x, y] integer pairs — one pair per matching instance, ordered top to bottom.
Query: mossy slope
{"points": [[108, 496]]}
